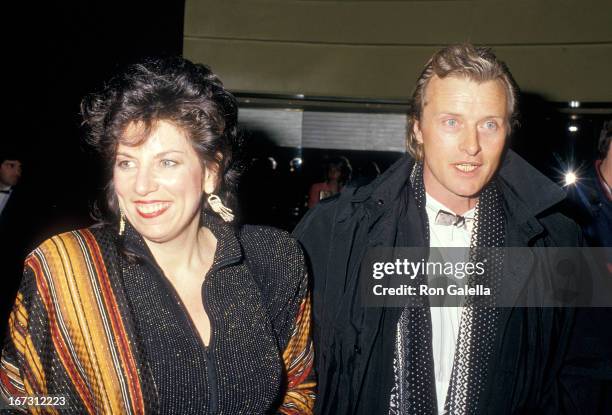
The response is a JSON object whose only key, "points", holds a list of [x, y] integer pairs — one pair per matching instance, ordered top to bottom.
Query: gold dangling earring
{"points": [[218, 207], [121, 222]]}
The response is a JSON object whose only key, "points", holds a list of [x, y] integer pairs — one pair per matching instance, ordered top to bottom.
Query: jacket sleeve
{"points": [[26, 347], [298, 358], [586, 375], [583, 382]]}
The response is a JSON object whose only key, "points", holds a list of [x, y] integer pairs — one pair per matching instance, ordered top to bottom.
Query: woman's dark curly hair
{"points": [[189, 96]]}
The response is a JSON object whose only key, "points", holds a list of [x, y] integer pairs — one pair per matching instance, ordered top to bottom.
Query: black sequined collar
{"points": [[228, 249]]}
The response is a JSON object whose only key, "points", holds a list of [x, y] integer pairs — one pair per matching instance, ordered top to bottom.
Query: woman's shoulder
{"points": [[267, 238], [72, 243], [273, 256], [275, 261]]}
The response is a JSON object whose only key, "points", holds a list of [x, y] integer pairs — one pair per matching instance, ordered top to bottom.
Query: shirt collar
{"points": [[433, 206]]}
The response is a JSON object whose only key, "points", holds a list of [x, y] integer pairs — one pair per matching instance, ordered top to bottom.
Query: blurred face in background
{"points": [[463, 130], [10, 172], [334, 173], [160, 182]]}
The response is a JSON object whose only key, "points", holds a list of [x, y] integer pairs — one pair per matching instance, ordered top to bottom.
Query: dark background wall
{"points": [[559, 49], [56, 53]]}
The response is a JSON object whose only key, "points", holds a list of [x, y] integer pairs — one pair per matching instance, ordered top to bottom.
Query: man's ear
{"points": [[416, 129]]}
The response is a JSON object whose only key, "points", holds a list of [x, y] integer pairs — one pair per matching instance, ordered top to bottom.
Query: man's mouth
{"points": [[467, 167]]}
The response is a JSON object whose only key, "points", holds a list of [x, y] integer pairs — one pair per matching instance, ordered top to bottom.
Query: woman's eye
{"points": [[451, 123], [168, 163], [125, 164]]}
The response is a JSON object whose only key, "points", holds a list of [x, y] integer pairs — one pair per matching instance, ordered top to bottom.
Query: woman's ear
{"points": [[211, 177]]}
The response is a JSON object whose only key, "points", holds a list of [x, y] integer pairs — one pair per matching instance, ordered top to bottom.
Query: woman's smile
{"points": [[151, 209]]}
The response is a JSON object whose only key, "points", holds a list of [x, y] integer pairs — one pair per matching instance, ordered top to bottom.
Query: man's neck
{"points": [[435, 204], [457, 204]]}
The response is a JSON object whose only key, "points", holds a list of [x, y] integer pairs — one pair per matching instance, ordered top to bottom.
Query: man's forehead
{"points": [[463, 89], [11, 163]]}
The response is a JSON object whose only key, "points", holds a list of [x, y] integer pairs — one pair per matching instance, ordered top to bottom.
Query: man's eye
{"points": [[451, 123], [491, 125], [168, 163]]}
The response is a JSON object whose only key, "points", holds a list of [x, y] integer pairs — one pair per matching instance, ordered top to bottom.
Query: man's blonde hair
{"points": [[461, 61]]}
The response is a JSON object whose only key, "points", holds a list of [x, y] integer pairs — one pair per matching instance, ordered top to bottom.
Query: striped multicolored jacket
{"points": [[71, 345]]}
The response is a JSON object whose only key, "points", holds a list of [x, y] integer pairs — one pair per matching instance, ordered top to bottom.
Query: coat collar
{"points": [[527, 192]]}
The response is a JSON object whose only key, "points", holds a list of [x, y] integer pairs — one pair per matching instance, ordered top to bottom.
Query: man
{"points": [[10, 173], [458, 186], [593, 194], [14, 231]]}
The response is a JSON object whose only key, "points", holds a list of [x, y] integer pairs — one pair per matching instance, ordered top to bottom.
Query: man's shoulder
{"points": [[322, 211], [320, 220], [560, 228]]}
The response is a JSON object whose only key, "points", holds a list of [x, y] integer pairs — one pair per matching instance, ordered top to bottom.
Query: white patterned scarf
{"points": [[414, 384]]}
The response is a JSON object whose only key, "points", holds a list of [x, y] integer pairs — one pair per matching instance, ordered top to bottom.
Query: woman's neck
{"points": [[191, 253]]}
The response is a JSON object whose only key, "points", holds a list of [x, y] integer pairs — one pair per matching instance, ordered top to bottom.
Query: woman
{"points": [[337, 175], [167, 307]]}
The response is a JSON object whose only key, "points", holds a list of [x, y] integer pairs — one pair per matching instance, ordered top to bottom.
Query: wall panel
{"points": [[559, 49]]}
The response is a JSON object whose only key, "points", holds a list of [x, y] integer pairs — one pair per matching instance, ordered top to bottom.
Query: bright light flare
{"points": [[573, 128], [570, 178]]}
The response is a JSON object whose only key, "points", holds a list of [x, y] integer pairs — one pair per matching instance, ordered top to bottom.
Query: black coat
{"points": [[15, 243], [532, 369]]}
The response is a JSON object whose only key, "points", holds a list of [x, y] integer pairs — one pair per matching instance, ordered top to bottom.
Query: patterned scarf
{"points": [[414, 384]]}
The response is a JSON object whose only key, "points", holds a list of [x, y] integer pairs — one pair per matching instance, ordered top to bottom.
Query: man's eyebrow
{"points": [[454, 114]]}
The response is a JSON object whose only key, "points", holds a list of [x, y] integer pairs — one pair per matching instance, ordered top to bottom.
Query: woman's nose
{"points": [[145, 182]]}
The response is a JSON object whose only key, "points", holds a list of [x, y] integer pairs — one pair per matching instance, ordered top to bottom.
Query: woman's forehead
{"points": [[160, 135]]}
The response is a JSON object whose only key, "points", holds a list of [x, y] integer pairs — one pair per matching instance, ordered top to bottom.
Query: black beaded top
{"points": [[251, 295]]}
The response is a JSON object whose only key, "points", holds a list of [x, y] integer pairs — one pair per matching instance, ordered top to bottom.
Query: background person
{"points": [[337, 175], [592, 194], [16, 228], [12, 249]]}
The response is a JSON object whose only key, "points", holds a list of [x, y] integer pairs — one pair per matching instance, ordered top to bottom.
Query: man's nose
{"points": [[470, 142], [145, 181]]}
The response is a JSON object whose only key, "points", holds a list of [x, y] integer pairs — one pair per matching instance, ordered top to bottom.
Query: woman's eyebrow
{"points": [[165, 153]]}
